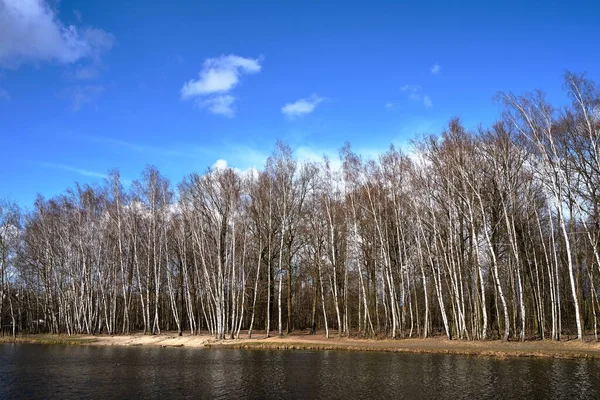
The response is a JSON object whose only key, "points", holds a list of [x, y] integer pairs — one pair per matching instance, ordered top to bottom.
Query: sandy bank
{"points": [[167, 339], [495, 348]]}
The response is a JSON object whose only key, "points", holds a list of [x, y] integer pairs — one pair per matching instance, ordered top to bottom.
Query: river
{"points": [[74, 372]]}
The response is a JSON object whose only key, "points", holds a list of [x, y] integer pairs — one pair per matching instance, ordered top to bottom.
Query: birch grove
{"points": [[471, 234]]}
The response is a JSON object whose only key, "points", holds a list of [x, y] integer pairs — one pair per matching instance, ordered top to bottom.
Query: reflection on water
{"points": [[37, 371]]}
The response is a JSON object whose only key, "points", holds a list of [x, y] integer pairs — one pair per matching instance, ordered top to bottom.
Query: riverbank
{"points": [[301, 341], [438, 345]]}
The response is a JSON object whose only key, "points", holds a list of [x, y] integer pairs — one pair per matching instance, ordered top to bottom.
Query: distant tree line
{"points": [[490, 233]]}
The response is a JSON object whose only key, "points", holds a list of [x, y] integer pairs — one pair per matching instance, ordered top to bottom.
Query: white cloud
{"points": [[30, 31], [436, 69], [219, 76], [416, 94], [4, 95], [427, 101], [221, 105], [302, 106], [389, 106], [243, 159], [219, 164]]}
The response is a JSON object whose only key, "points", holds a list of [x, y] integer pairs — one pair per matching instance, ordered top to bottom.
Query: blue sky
{"points": [[90, 86]]}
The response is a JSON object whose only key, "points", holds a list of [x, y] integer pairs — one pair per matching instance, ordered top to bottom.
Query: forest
{"points": [[485, 233]]}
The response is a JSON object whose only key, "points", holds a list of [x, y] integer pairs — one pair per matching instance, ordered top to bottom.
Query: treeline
{"points": [[474, 234]]}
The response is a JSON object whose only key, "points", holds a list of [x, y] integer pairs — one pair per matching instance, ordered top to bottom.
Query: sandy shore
{"points": [[167, 339], [495, 348]]}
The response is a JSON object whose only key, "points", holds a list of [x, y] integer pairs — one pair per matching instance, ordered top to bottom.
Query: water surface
{"points": [[73, 372]]}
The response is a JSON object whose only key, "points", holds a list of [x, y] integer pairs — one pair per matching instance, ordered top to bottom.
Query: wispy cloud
{"points": [[77, 15], [30, 31], [177, 58], [94, 65], [436, 69], [87, 72], [218, 77], [415, 93], [4, 94], [81, 95], [427, 101], [302, 106], [138, 148], [312, 154], [243, 156], [248, 156], [79, 171]]}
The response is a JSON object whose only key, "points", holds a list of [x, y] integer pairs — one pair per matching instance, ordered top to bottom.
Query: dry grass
{"points": [[48, 339]]}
